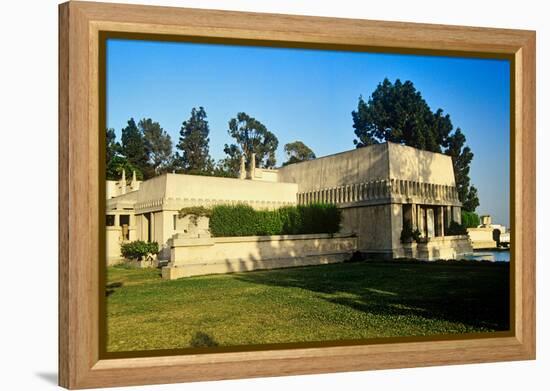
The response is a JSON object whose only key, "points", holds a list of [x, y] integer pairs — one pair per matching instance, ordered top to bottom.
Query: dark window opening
{"points": [[124, 220], [124, 223]]}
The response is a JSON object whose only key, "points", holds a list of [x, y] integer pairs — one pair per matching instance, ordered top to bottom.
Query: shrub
{"points": [[318, 218], [470, 219], [233, 220], [243, 220], [291, 220], [268, 223], [456, 229], [409, 235], [138, 249]]}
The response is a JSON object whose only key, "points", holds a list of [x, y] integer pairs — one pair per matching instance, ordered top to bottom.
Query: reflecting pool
{"points": [[490, 255]]}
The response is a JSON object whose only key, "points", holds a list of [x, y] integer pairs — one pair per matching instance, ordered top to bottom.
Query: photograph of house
{"points": [[343, 204]]}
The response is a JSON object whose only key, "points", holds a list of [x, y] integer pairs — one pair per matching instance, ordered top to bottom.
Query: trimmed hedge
{"points": [[470, 219], [243, 220], [138, 249]]}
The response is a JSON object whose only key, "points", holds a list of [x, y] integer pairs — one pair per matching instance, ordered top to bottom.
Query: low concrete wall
{"points": [[482, 237], [440, 247], [199, 256]]}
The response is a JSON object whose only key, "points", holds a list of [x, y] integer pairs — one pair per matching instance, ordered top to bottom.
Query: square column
{"points": [[456, 214], [448, 215], [414, 217], [420, 220], [440, 221], [430, 222]]}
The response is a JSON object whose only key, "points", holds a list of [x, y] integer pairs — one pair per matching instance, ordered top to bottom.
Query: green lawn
{"points": [[319, 303]]}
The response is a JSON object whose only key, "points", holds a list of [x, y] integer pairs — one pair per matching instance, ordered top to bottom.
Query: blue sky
{"points": [[308, 95]]}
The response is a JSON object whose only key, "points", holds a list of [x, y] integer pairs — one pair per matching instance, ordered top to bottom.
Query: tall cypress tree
{"points": [[194, 144], [159, 145], [113, 147], [135, 149], [462, 156], [115, 162]]}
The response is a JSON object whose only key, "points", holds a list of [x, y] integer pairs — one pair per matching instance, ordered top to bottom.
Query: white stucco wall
{"points": [[379, 161], [413, 164], [355, 166], [214, 188], [174, 191]]}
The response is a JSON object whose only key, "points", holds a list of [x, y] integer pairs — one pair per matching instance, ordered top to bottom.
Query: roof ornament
{"points": [[242, 170], [123, 181]]}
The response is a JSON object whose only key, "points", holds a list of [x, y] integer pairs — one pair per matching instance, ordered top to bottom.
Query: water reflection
{"points": [[488, 255]]}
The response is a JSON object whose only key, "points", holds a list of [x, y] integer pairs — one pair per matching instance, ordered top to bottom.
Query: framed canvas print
{"points": [[247, 195]]}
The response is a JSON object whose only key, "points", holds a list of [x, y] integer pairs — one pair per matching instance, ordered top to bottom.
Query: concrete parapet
{"points": [[482, 237], [439, 247], [199, 256]]}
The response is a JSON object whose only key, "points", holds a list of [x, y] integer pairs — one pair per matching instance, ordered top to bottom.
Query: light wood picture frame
{"points": [[81, 363]]}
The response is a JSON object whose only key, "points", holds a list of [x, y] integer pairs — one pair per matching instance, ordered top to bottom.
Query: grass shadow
{"points": [[112, 287], [473, 294], [202, 340]]}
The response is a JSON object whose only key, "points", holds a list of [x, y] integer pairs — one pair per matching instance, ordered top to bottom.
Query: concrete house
{"points": [[379, 189]]}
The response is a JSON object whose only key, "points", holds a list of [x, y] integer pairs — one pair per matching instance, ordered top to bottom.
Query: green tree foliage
{"points": [[396, 112], [251, 136], [158, 144], [193, 144], [113, 147], [135, 149], [297, 152], [462, 157], [113, 161], [117, 164], [231, 164], [221, 169], [471, 202], [470, 219]]}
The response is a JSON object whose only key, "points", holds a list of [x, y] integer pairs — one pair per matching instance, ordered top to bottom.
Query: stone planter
{"points": [[193, 226]]}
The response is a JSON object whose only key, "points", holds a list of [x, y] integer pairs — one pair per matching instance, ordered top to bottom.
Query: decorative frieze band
{"points": [[380, 189], [177, 203]]}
